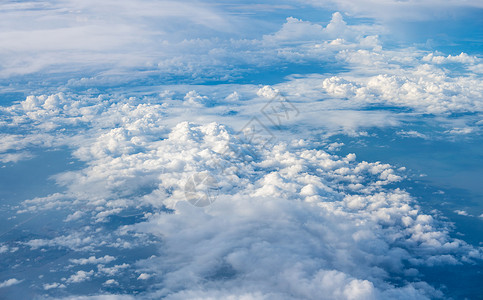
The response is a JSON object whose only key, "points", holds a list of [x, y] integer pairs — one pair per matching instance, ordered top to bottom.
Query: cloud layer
{"points": [[289, 219]]}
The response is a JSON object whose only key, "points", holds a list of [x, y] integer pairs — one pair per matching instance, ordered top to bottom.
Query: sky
{"points": [[241, 150]]}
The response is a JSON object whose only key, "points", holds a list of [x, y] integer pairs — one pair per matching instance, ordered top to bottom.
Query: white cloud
{"points": [[299, 31], [93, 35], [110, 43], [461, 58], [423, 88], [192, 98], [466, 130], [413, 134], [15, 142], [334, 146], [15, 157], [288, 195], [462, 213], [74, 216], [264, 218], [290, 219], [320, 222], [78, 241], [3, 248], [93, 260], [112, 271], [80, 276], [143, 276], [10, 282], [110, 282], [55, 285], [101, 297]]}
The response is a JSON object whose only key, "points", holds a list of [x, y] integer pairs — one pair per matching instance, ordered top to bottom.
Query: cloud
{"points": [[299, 31], [108, 34], [192, 41], [462, 58], [417, 88], [192, 98], [466, 130], [412, 134], [334, 146], [15, 157], [462, 213], [75, 216], [290, 220], [262, 222], [352, 233], [3, 249], [93, 260], [112, 271], [80, 276], [144, 276], [10, 282], [110, 282], [55, 285], [101, 297]]}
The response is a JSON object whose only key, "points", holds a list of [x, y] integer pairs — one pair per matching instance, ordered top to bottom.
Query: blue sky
{"points": [[241, 149]]}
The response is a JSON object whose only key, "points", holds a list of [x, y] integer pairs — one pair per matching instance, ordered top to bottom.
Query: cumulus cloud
{"points": [[298, 31], [110, 43], [462, 58], [423, 89], [466, 130], [293, 206], [462, 213], [74, 216], [290, 221], [320, 222], [351, 232], [3, 249], [93, 260], [112, 271], [80, 276], [143, 276], [10, 282], [110, 282], [55, 285], [101, 297]]}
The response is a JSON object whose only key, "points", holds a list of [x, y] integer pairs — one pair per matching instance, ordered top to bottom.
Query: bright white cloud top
{"points": [[118, 116]]}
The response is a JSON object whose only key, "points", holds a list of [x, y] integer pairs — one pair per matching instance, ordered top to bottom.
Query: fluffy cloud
{"points": [[113, 48], [462, 58], [424, 88], [289, 221], [319, 222], [288, 233], [93, 260], [80, 276], [10, 282], [55, 285], [101, 297]]}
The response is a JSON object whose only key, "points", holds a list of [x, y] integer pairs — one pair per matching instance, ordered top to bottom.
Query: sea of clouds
{"points": [[289, 218]]}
